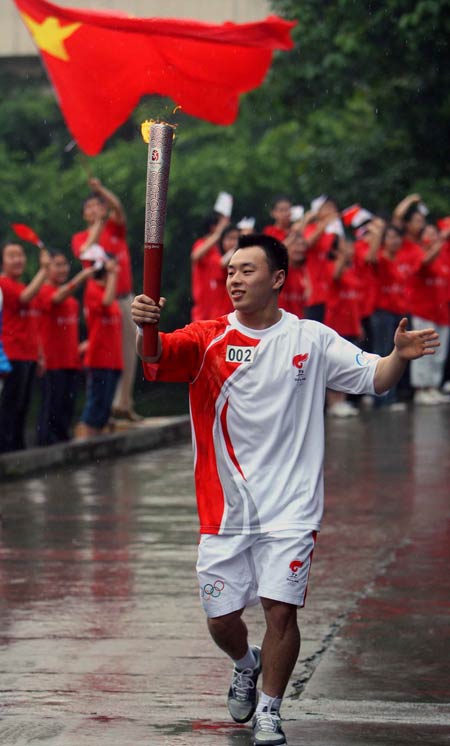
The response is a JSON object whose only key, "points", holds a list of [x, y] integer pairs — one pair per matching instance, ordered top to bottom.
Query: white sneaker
{"points": [[446, 387], [425, 397], [439, 397], [367, 401], [397, 406], [342, 409], [243, 695], [267, 730]]}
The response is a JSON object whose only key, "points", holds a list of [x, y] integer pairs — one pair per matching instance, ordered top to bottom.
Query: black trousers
{"points": [[58, 396], [14, 404]]}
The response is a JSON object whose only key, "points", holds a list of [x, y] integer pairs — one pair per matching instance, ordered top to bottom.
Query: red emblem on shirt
{"points": [[298, 360], [295, 565]]}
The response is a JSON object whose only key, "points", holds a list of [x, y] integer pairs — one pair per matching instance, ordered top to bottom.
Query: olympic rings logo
{"points": [[212, 590]]}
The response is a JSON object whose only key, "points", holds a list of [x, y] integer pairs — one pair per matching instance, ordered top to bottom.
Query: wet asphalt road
{"points": [[103, 640]]}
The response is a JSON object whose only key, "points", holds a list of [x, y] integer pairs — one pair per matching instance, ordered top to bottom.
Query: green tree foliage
{"points": [[371, 84]]}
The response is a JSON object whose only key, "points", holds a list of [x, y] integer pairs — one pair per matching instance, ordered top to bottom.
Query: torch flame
{"points": [[147, 125]]}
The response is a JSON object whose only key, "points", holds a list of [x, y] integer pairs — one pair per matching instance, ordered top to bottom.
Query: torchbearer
{"points": [[159, 136], [258, 378]]}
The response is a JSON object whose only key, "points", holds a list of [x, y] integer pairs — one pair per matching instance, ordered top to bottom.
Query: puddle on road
{"points": [[237, 735]]}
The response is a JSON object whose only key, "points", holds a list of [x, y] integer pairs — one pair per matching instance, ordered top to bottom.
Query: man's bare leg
{"points": [[230, 633], [281, 646]]}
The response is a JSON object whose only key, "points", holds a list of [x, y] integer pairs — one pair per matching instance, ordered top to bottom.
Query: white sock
{"points": [[248, 661], [271, 704]]}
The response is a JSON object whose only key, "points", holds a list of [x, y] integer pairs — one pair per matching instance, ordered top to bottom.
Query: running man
{"points": [[258, 379]]}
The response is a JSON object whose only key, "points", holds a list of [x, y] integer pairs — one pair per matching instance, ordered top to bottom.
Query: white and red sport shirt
{"points": [[257, 399]]}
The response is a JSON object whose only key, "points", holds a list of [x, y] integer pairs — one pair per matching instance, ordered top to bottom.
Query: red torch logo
{"points": [[298, 360], [295, 566]]}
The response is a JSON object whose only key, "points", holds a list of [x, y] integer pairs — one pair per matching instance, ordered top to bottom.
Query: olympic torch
{"points": [[159, 136]]}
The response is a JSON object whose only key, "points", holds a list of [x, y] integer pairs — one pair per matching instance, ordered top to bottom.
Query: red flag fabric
{"points": [[102, 63], [26, 233]]}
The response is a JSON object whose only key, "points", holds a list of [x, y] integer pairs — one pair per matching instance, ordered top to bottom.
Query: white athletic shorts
{"points": [[235, 571]]}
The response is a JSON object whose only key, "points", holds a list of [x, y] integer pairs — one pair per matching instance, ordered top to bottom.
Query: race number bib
{"points": [[236, 354]]}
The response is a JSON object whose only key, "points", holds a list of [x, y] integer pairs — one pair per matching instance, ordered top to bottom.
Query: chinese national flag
{"points": [[102, 63]]}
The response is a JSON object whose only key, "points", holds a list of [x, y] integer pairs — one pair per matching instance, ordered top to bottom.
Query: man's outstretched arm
{"points": [[144, 310], [408, 345]]}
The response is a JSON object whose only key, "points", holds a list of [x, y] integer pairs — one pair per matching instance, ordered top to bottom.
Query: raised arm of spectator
{"points": [[402, 208], [117, 212], [300, 225], [320, 228], [317, 232], [93, 234], [374, 238], [210, 240], [434, 250], [344, 253], [112, 271], [38, 280], [69, 287], [408, 345]]}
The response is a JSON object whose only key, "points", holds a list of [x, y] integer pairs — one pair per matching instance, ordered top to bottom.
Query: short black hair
{"points": [[94, 195], [279, 198], [410, 212], [210, 221], [394, 228], [275, 251], [57, 252]]}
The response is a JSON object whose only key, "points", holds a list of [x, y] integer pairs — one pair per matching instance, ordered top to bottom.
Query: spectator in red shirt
{"points": [[281, 215], [105, 217], [321, 240], [368, 242], [228, 243], [409, 256], [296, 287], [209, 295], [390, 305], [429, 306], [343, 314], [20, 340], [60, 342], [103, 360], [5, 365]]}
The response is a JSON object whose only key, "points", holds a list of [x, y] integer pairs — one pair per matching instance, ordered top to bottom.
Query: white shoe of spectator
{"points": [[446, 387], [426, 397], [440, 398], [367, 401], [397, 406], [342, 409]]}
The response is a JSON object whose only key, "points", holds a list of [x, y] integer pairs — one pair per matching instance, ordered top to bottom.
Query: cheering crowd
{"points": [[349, 269], [353, 271], [41, 323]]}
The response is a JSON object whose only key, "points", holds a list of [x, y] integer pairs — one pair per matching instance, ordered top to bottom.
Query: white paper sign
{"points": [[317, 203], [224, 204], [297, 212], [246, 224], [335, 227]]}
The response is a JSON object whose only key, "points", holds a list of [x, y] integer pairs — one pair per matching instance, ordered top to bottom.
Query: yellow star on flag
{"points": [[50, 35]]}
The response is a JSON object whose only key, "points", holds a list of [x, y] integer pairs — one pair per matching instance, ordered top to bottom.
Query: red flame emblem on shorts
{"points": [[298, 360], [295, 565]]}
